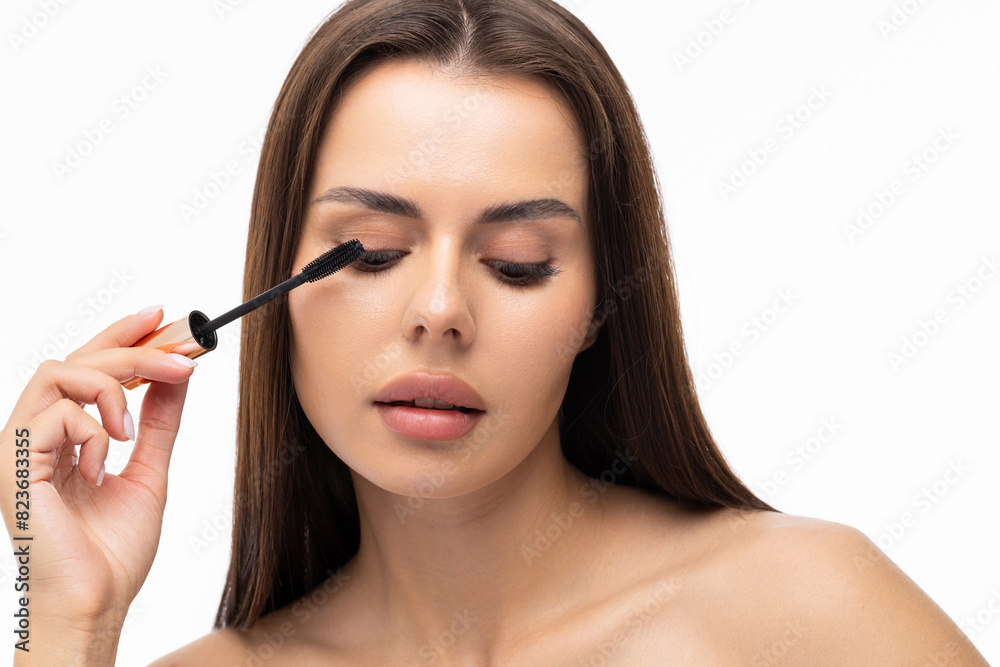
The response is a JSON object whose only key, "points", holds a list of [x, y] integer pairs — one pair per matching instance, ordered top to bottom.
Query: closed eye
{"points": [[509, 273]]}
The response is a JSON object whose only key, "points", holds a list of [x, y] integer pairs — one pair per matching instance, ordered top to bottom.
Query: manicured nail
{"points": [[149, 309], [181, 360], [129, 425], [100, 475]]}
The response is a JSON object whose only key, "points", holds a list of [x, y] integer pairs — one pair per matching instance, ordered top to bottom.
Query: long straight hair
{"points": [[630, 414]]}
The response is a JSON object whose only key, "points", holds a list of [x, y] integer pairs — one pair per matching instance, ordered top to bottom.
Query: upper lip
{"points": [[442, 386]]}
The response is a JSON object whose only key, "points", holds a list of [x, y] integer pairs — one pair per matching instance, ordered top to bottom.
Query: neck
{"points": [[470, 570]]}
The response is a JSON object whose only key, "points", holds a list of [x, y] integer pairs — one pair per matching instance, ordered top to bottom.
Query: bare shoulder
{"points": [[820, 592], [295, 634], [292, 635], [272, 637], [223, 647]]}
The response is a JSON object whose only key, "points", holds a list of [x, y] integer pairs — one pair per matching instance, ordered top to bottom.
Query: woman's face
{"points": [[453, 148]]}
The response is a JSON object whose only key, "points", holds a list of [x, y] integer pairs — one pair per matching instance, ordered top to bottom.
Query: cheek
{"points": [[560, 324], [318, 337], [537, 343], [338, 356]]}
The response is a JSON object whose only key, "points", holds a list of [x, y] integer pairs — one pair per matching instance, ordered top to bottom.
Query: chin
{"points": [[432, 474]]}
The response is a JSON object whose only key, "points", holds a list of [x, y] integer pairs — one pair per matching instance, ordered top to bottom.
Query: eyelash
{"points": [[529, 274]]}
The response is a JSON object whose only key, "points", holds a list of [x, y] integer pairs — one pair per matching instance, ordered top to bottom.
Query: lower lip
{"points": [[428, 423]]}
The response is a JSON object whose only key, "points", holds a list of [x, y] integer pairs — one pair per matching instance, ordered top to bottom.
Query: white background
{"points": [[110, 233]]}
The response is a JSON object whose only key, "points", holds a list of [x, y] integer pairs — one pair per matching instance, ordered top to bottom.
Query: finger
{"points": [[123, 333], [123, 363], [96, 378], [57, 380], [159, 421], [53, 434], [67, 463]]}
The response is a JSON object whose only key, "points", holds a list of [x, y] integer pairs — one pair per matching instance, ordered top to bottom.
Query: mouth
{"points": [[412, 404], [435, 422]]}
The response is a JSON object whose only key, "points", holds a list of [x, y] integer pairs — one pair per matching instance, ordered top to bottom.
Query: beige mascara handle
{"points": [[177, 337]]}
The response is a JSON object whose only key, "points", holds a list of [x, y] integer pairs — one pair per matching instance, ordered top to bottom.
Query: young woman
{"points": [[478, 444]]}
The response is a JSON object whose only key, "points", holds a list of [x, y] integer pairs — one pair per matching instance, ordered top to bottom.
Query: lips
{"points": [[425, 384], [431, 404], [428, 425]]}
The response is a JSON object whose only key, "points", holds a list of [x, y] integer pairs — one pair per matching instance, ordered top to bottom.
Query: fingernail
{"points": [[149, 309], [181, 360], [129, 425], [100, 475]]}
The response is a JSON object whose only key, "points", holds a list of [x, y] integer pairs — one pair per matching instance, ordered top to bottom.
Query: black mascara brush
{"points": [[194, 335]]}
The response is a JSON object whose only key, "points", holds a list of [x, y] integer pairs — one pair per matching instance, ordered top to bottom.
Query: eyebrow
{"points": [[533, 209]]}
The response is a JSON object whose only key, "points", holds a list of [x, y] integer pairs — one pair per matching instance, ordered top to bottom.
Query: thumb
{"points": [[159, 419]]}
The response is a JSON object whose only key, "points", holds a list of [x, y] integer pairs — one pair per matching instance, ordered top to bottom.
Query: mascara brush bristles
{"points": [[331, 261], [328, 263]]}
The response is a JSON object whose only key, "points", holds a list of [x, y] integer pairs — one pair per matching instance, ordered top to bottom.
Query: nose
{"points": [[438, 307]]}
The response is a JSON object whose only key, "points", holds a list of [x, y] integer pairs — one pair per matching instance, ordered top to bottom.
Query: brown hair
{"points": [[631, 395]]}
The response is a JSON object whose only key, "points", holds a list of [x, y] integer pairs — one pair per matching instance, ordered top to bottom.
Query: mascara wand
{"points": [[329, 262], [194, 335]]}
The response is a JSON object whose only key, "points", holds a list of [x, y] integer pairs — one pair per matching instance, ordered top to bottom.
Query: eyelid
{"points": [[545, 248], [374, 251], [534, 273]]}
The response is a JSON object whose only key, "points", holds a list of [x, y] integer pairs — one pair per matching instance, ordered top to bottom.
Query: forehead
{"points": [[407, 123]]}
